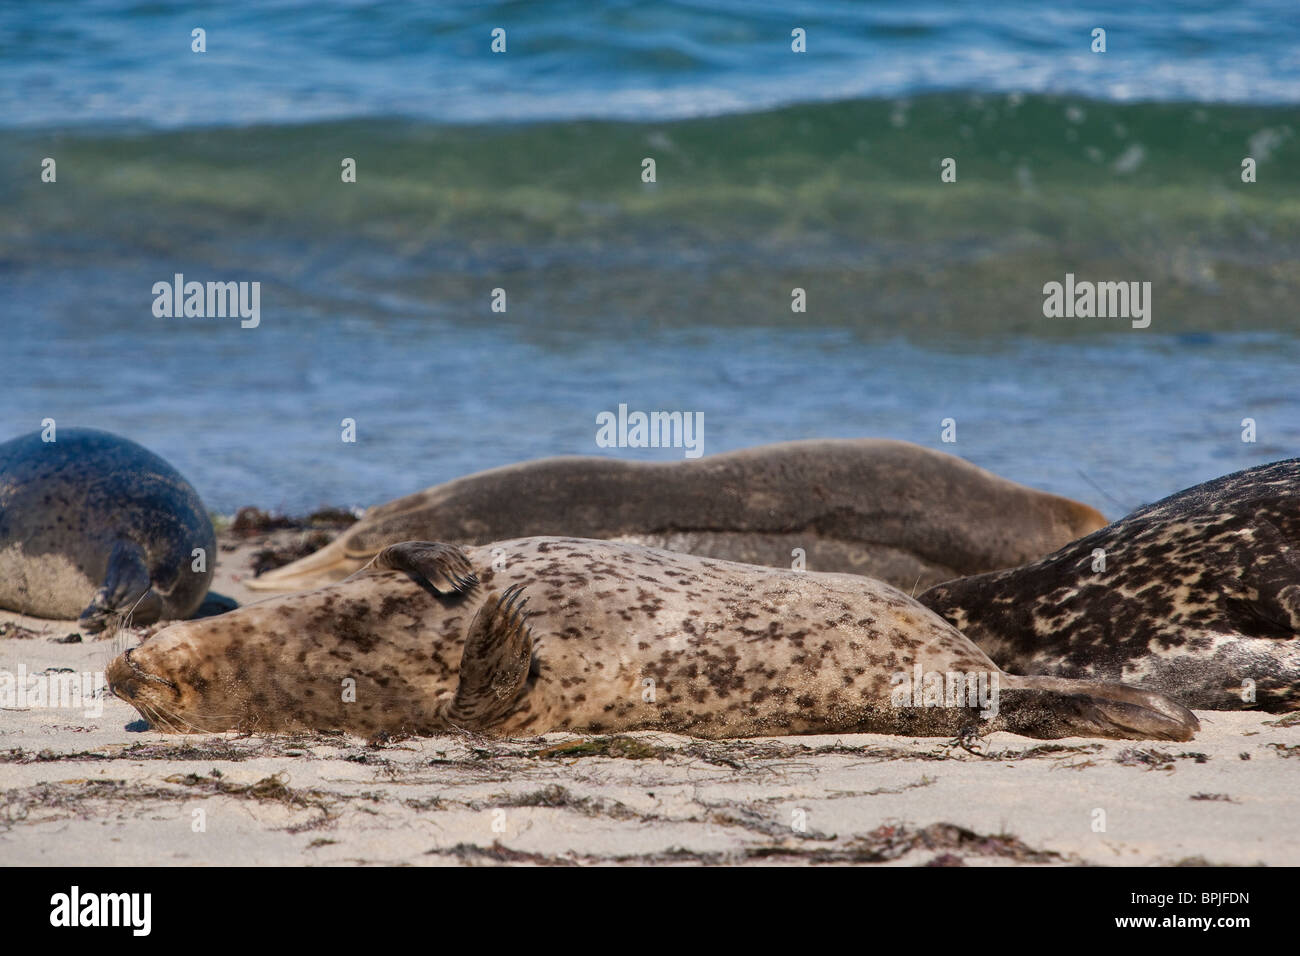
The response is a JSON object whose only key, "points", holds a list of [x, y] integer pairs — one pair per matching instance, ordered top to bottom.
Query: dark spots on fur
{"points": [[392, 605], [192, 677]]}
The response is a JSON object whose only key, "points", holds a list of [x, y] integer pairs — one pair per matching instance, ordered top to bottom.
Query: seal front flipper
{"points": [[443, 570], [127, 589], [494, 666], [1051, 707]]}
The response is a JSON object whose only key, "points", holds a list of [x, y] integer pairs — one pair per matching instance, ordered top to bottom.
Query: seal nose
{"points": [[121, 678]]}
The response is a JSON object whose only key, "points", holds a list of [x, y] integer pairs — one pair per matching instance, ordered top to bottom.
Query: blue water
{"points": [[297, 60], [777, 170]]}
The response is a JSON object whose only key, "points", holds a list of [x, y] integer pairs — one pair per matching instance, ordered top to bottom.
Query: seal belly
{"points": [[48, 584], [717, 649]]}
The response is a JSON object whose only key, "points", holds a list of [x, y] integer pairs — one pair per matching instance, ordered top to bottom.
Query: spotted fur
{"points": [[1200, 594], [592, 636]]}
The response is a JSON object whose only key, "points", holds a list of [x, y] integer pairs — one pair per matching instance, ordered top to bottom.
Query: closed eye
{"points": [[144, 674]]}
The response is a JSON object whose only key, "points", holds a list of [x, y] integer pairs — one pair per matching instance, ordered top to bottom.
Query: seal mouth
{"points": [[143, 674]]}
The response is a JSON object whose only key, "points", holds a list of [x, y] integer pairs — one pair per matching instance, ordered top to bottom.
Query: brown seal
{"points": [[891, 510], [432, 637]]}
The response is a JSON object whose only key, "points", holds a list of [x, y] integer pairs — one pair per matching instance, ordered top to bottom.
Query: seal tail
{"points": [[330, 564], [1050, 707]]}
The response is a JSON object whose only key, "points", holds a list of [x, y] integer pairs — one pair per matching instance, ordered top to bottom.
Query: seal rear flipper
{"points": [[332, 563], [443, 570], [127, 590], [495, 663], [1050, 707]]}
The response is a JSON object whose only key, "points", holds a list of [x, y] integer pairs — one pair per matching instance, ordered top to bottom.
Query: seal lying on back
{"points": [[886, 509], [92, 524], [1193, 596], [431, 637]]}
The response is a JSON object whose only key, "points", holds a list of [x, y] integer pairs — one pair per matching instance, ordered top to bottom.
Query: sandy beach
{"points": [[87, 788]]}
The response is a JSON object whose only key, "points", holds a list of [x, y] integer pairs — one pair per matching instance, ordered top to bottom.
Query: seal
{"points": [[891, 510], [94, 525], [1197, 596], [430, 637]]}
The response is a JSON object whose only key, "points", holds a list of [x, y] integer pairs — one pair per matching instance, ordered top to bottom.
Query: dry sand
{"points": [[79, 789]]}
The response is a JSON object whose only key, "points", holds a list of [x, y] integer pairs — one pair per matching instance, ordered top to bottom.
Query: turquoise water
{"points": [[289, 61], [774, 171]]}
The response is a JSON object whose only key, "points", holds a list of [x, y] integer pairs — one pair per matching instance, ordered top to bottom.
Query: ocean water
{"points": [[522, 171]]}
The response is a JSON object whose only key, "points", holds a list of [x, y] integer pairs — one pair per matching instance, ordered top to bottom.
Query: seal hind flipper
{"points": [[330, 564], [444, 570], [127, 588], [495, 663], [1051, 707]]}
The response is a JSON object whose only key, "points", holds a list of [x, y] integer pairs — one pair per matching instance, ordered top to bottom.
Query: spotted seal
{"points": [[891, 510], [92, 525], [1192, 596], [431, 637]]}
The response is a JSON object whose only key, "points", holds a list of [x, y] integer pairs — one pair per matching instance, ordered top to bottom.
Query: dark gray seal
{"points": [[891, 510], [94, 525], [1199, 598], [432, 637]]}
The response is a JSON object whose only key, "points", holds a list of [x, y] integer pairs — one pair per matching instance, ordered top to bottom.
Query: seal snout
{"points": [[126, 677]]}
